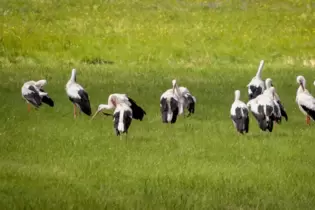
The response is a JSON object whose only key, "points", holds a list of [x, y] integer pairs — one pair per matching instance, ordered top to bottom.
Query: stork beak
{"points": [[95, 114]]}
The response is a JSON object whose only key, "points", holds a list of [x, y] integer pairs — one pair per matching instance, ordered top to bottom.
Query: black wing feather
{"points": [[33, 97], [46, 99], [83, 102], [137, 112]]}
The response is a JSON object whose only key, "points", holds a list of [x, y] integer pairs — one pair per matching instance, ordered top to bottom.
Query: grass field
{"points": [[49, 160]]}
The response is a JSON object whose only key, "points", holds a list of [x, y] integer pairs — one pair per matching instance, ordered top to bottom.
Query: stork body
{"points": [[256, 86], [33, 93], [78, 96], [118, 98], [185, 99], [305, 101], [169, 107], [262, 107], [278, 107], [239, 114], [122, 118]]}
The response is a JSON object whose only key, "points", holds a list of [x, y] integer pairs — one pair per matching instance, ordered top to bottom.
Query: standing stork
{"points": [[256, 85], [33, 93], [78, 96], [118, 98], [185, 99], [276, 99], [305, 100], [169, 106], [262, 107], [239, 114]]}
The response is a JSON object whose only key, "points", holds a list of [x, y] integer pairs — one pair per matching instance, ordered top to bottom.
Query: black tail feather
{"points": [[47, 100], [283, 112]]}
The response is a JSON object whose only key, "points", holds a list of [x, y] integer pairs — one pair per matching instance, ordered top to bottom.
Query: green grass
{"points": [[48, 160]]}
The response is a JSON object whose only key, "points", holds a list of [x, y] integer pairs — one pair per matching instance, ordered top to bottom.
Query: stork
{"points": [[256, 85], [33, 93], [78, 96], [118, 98], [185, 99], [305, 101], [278, 105], [169, 106], [262, 107], [239, 114]]}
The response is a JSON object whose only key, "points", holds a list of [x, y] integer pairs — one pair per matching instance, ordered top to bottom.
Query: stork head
{"points": [[301, 80], [40, 83], [268, 83], [174, 84], [100, 108]]}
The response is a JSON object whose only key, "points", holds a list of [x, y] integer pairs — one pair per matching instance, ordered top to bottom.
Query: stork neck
{"points": [[258, 74], [73, 76], [237, 95]]}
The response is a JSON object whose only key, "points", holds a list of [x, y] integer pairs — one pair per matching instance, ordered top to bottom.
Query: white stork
{"points": [[256, 85], [33, 93], [78, 96], [118, 98], [185, 98], [305, 100], [169, 106], [262, 107], [279, 108], [239, 114], [122, 118]]}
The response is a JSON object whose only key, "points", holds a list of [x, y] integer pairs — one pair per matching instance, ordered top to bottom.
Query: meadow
{"points": [[49, 160]]}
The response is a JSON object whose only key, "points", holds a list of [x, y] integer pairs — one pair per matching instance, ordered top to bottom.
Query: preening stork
{"points": [[256, 85], [33, 93], [78, 96], [118, 98], [185, 99], [305, 100], [169, 106], [262, 107], [279, 108], [239, 114]]}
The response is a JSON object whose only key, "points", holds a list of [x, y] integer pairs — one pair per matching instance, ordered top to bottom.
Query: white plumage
{"points": [[256, 86], [33, 93], [77, 95], [122, 99], [185, 99], [305, 100], [169, 106], [262, 107], [279, 109], [239, 114], [122, 118]]}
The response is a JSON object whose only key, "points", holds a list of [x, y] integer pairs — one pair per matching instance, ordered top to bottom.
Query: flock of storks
{"points": [[173, 102], [264, 103]]}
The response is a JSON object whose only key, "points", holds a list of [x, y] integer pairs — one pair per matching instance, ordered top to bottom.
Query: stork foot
{"points": [[308, 120]]}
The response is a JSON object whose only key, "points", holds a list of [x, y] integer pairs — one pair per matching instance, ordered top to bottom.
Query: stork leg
{"points": [[28, 107], [74, 111], [308, 120]]}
